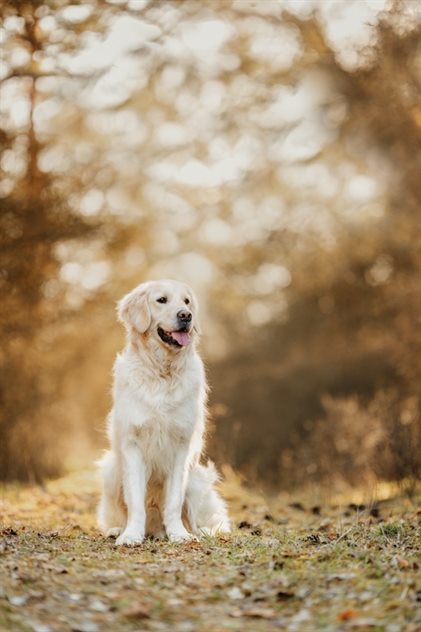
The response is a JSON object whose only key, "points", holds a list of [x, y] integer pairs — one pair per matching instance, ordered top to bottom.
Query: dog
{"points": [[153, 481]]}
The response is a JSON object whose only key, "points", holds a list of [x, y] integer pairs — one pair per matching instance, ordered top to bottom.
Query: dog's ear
{"points": [[195, 306], [133, 310]]}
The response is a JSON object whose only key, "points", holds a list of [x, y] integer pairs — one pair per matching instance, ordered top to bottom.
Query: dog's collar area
{"points": [[167, 337]]}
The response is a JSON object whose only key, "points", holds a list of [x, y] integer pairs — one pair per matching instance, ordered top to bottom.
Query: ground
{"points": [[304, 562]]}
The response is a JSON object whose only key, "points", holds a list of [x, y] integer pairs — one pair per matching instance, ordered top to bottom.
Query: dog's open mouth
{"points": [[180, 338]]}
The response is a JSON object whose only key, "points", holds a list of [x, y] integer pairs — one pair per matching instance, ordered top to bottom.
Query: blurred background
{"points": [[268, 153]]}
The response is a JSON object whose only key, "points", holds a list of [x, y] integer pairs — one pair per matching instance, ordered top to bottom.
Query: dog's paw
{"points": [[221, 528], [206, 531], [114, 532], [181, 536], [130, 538]]}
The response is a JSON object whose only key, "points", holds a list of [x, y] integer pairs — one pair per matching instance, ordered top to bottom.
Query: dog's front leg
{"points": [[134, 488], [175, 490]]}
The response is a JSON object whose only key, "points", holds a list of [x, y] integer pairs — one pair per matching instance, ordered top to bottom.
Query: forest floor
{"points": [[300, 563]]}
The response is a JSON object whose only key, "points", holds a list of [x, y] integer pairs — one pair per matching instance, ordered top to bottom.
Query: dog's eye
{"points": [[162, 299], [187, 301]]}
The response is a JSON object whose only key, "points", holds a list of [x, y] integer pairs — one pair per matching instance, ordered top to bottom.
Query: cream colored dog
{"points": [[152, 479]]}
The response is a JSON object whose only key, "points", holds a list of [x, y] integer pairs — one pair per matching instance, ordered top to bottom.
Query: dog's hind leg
{"points": [[206, 510], [112, 514]]}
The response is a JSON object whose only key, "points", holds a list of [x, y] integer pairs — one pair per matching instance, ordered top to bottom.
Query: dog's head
{"points": [[162, 310]]}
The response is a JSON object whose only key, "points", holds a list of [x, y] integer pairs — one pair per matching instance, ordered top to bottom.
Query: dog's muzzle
{"points": [[179, 338]]}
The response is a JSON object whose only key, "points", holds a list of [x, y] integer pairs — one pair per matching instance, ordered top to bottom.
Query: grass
{"points": [[288, 565]]}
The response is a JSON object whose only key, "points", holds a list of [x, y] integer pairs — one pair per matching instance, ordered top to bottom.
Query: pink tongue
{"points": [[182, 337]]}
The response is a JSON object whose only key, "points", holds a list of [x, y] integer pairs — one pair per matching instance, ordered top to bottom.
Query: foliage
{"points": [[252, 150], [33, 219]]}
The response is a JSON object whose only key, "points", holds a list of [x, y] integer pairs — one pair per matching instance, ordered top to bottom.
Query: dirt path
{"points": [[301, 567]]}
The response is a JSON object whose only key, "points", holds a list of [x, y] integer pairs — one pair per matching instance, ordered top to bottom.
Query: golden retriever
{"points": [[153, 482]]}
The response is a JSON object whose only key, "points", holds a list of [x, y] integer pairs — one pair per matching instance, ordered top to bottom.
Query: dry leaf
{"points": [[402, 563], [235, 593], [18, 600], [137, 612], [260, 613], [346, 615]]}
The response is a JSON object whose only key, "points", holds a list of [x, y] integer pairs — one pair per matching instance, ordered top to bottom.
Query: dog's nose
{"points": [[184, 315]]}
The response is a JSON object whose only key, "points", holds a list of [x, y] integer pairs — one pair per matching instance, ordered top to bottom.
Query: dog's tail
{"points": [[206, 510], [111, 513]]}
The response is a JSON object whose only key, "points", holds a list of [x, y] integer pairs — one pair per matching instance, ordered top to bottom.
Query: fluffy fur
{"points": [[153, 483]]}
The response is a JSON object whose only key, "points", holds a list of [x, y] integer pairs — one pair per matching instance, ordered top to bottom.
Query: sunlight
{"points": [[126, 34], [206, 35], [266, 154], [216, 232]]}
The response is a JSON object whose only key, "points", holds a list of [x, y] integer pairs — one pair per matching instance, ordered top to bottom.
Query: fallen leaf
{"points": [[298, 506], [325, 524], [8, 531], [194, 544], [402, 563], [57, 568], [340, 576], [235, 593], [74, 597], [18, 600], [98, 606], [137, 612], [260, 613], [346, 615], [302, 616], [367, 623], [84, 626], [39, 627]]}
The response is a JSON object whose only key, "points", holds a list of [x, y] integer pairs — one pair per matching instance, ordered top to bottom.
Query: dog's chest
{"points": [[169, 406], [168, 424], [159, 441]]}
